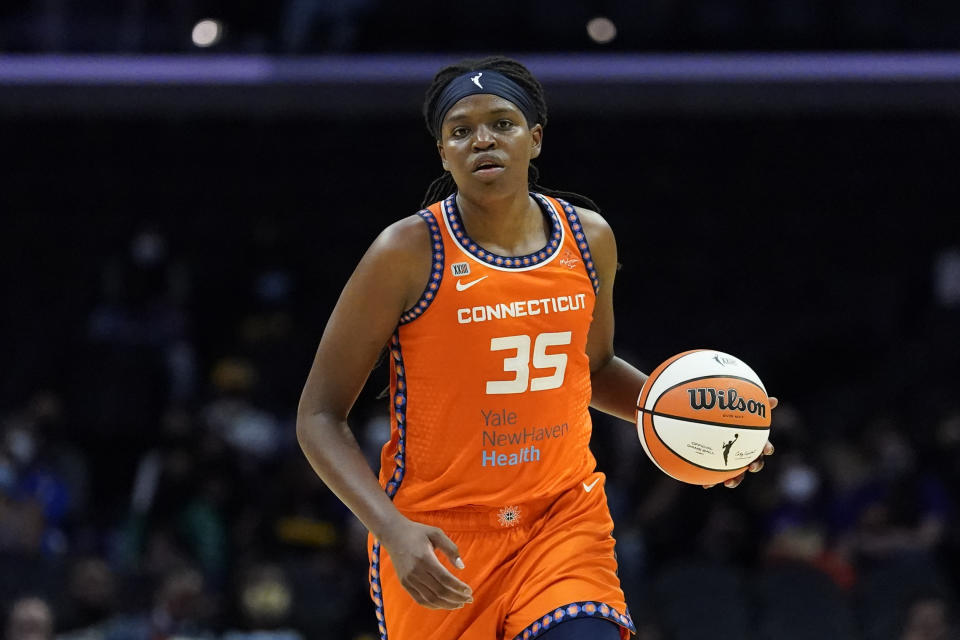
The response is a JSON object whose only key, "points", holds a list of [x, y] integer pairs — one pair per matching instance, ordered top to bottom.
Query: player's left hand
{"points": [[756, 465]]}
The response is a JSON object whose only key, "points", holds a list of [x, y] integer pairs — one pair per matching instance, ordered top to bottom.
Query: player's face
{"points": [[485, 143]]}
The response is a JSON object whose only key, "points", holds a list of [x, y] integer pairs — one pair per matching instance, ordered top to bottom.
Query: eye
{"points": [[503, 123], [459, 132]]}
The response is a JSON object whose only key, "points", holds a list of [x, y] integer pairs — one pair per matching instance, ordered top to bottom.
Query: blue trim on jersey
{"points": [[452, 213], [581, 239], [436, 273], [400, 412], [393, 485], [375, 588], [573, 610]]}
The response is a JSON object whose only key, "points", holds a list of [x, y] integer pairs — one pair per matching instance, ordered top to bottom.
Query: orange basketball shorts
{"points": [[531, 566]]}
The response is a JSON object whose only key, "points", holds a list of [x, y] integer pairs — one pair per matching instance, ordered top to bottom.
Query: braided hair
{"points": [[444, 185]]}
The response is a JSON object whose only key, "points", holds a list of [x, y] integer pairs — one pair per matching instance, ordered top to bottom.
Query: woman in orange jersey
{"points": [[495, 302]]}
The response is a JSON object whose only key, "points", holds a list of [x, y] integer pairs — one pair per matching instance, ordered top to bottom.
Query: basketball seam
{"points": [[700, 421]]}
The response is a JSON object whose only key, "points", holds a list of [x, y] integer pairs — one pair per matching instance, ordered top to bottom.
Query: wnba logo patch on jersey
{"points": [[460, 269]]}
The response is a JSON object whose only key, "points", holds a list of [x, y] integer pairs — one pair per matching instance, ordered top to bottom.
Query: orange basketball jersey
{"points": [[490, 381]]}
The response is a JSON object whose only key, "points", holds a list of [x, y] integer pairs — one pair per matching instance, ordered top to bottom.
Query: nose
{"points": [[484, 138]]}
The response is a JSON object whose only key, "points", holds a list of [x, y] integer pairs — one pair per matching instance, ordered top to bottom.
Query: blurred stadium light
{"points": [[207, 33], [359, 85]]}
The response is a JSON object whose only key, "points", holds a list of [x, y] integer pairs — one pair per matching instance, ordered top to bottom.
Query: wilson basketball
{"points": [[703, 416]]}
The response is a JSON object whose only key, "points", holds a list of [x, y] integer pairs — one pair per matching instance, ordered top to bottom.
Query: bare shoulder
{"points": [[408, 236], [600, 237], [401, 256]]}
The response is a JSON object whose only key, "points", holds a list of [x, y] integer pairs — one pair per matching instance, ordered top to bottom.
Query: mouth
{"points": [[486, 166]]}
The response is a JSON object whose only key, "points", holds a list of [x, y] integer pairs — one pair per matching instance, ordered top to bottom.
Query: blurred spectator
{"points": [[139, 337], [269, 340], [253, 433], [33, 491], [177, 505], [902, 508], [303, 514], [21, 522], [797, 529], [91, 600], [265, 605], [182, 607], [181, 610], [929, 616], [30, 619]]}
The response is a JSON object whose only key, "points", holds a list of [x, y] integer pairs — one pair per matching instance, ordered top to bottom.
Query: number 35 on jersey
{"points": [[519, 363]]}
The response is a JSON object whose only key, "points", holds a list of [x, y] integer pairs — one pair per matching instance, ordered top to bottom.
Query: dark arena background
{"points": [[186, 186]]}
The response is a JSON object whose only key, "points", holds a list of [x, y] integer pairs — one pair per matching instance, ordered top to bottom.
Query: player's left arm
{"points": [[616, 383]]}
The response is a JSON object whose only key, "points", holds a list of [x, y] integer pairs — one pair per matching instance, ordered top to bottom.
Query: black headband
{"points": [[486, 81]]}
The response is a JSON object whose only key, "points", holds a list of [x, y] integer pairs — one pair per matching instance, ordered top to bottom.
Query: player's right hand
{"points": [[412, 547]]}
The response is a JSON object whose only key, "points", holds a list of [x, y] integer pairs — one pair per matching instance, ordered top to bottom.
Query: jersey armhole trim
{"points": [[581, 239], [436, 271]]}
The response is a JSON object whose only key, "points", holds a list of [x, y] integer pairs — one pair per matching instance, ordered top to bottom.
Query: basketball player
{"points": [[495, 303]]}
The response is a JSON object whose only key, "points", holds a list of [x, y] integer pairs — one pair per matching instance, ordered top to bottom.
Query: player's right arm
{"points": [[389, 279]]}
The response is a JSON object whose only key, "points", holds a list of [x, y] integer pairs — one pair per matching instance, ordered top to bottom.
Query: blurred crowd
{"points": [[317, 26], [151, 486], [164, 495], [163, 498]]}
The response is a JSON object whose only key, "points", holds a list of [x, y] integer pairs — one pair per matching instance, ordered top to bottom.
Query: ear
{"points": [[536, 140], [443, 156]]}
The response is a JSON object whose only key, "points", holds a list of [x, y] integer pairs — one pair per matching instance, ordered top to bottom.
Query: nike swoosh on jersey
{"points": [[463, 286], [589, 487]]}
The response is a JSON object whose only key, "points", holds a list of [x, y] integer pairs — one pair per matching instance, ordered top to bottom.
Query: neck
{"points": [[501, 208], [509, 224]]}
